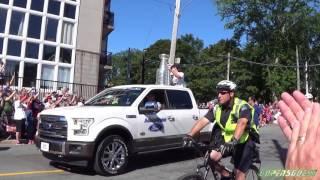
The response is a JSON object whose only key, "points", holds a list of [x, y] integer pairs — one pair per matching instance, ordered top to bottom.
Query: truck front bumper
{"points": [[65, 150]]}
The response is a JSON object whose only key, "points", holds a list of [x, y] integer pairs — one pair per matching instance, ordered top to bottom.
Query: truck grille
{"points": [[53, 127]]}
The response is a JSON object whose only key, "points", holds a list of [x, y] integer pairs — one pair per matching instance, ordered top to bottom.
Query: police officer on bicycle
{"points": [[234, 123]]}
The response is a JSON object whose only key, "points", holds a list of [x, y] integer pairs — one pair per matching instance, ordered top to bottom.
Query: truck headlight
{"points": [[81, 126]]}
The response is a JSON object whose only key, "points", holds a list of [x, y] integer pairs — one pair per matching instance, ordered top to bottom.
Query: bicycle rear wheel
{"points": [[253, 173], [191, 176]]}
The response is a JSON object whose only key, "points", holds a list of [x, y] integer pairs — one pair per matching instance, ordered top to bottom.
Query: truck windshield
{"points": [[115, 97]]}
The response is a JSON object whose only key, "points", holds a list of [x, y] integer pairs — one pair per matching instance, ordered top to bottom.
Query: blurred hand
{"points": [[299, 121]]}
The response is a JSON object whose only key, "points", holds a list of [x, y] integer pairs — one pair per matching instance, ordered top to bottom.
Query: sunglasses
{"points": [[223, 92]]}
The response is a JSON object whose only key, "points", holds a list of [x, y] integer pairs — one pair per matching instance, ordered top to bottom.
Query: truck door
{"points": [[181, 112], [154, 127]]}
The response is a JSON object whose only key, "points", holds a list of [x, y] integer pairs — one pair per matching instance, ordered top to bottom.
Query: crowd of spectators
{"points": [[19, 109]]}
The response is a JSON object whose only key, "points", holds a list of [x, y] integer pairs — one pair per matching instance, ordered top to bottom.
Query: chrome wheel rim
{"points": [[113, 157]]}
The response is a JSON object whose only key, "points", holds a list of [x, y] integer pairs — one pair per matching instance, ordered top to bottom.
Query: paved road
{"points": [[25, 162]]}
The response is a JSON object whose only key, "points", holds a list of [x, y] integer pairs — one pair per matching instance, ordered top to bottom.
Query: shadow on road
{"points": [[4, 148], [281, 151], [159, 158], [136, 162], [72, 168]]}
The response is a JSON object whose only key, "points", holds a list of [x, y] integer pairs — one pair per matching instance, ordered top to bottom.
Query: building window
{"points": [[4, 1], [20, 3], [37, 5], [54, 7], [69, 11], [3, 18], [16, 25], [34, 28], [51, 29], [67, 33], [1, 45], [14, 47], [32, 50], [49, 53], [65, 55], [12, 67], [30, 74], [47, 74], [63, 76]]}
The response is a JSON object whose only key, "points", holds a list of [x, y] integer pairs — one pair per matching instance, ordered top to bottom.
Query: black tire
{"points": [[111, 156], [253, 173], [191, 176]]}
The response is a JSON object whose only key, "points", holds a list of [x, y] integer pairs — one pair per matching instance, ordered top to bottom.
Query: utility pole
{"points": [[174, 32], [143, 67], [228, 67], [128, 68], [298, 71], [306, 76]]}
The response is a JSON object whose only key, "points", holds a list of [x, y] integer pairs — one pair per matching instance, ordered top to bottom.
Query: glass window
{"points": [[4, 1], [20, 3], [37, 5], [54, 7], [69, 11], [3, 18], [16, 25], [34, 28], [51, 29], [67, 33], [1, 45], [14, 47], [32, 50], [49, 53], [65, 55], [12, 67], [30, 74], [47, 74], [63, 76], [179, 99]]}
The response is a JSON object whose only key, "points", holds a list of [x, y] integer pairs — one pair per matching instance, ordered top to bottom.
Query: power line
{"points": [[247, 61]]}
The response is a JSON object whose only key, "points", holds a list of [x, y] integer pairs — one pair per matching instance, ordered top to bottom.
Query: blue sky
{"points": [[140, 23]]}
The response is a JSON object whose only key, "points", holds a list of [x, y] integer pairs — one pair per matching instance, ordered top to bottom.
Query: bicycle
{"points": [[203, 169]]}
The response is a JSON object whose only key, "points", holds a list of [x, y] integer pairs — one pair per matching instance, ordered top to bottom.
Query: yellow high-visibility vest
{"points": [[230, 127]]}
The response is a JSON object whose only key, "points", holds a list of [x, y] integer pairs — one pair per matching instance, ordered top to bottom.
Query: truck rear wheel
{"points": [[112, 156]]}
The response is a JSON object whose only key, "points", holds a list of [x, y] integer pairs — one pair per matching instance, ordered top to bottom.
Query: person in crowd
{"points": [[2, 72], [177, 75], [257, 110], [232, 116], [19, 117], [300, 123]]}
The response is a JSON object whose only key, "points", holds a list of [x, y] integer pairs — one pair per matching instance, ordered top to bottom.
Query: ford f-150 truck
{"points": [[115, 124]]}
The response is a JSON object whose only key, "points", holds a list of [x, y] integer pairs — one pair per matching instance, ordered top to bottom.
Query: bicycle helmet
{"points": [[226, 85]]}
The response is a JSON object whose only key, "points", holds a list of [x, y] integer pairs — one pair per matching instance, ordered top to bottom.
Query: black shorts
{"points": [[20, 126], [243, 155]]}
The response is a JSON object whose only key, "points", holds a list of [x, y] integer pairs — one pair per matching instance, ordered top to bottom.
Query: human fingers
{"points": [[302, 100], [293, 105], [287, 113], [313, 125], [304, 126], [285, 127], [294, 137]]}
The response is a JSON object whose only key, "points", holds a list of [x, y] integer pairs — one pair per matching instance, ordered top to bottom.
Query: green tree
{"points": [[272, 30]]}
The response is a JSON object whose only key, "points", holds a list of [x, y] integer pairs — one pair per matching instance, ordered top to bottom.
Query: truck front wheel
{"points": [[112, 156]]}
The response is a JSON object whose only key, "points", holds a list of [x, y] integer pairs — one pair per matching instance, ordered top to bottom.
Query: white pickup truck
{"points": [[115, 124]]}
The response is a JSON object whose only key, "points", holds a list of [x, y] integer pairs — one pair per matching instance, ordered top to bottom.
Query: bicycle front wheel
{"points": [[253, 173], [191, 176]]}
